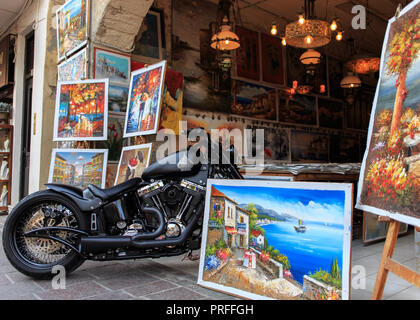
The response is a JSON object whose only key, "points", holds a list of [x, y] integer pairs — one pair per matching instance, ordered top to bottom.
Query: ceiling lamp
{"points": [[333, 25], [273, 30], [308, 32], [339, 36], [225, 39], [283, 41], [310, 56], [364, 64], [351, 81]]}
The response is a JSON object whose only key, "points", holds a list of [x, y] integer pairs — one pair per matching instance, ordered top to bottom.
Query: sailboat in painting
{"points": [[301, 228]]}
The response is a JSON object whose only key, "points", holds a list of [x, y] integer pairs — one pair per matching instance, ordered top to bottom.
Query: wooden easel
{"points": [[388, 264]]}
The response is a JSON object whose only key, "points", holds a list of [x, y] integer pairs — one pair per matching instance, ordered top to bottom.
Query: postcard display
{"points": [[390, 177]]}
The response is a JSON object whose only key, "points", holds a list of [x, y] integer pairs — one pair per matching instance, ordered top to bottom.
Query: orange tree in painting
{"points": [[404, 49]]}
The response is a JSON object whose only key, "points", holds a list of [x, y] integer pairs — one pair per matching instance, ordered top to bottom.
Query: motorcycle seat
{"points": [[107, 194]]}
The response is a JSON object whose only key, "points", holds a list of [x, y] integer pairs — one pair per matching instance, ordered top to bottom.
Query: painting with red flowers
{"points": [[248, 54], [145, 98], [81, 111], [114, 143], [133, 161], [390, 174]]}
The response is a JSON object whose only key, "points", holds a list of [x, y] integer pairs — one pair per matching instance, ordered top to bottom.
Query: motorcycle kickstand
{"points": [[191, 257]]}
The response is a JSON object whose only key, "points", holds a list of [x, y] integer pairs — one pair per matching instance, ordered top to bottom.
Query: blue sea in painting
{"points": [[310, 251]]}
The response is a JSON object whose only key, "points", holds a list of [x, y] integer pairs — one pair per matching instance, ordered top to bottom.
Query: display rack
{"points": [[6, 144]]}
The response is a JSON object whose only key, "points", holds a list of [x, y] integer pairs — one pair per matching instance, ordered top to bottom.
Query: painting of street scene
{"points": [[72, 26], [74, 68], [144, 102], [81, 111], [78, 167], [390, 175], [277, 240]]}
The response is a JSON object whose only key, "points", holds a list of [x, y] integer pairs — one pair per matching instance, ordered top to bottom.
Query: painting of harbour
{"points": [[277, 240]]}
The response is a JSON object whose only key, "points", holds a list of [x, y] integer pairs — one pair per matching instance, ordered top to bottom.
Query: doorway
{"points": [[27, 115]]}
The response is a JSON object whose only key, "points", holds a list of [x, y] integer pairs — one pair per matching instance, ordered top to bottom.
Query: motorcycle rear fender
{"points": [[76, 194]]}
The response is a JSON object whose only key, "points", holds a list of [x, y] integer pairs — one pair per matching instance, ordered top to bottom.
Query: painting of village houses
{"points": [[72, 26], [81, 112], [78, 167], [390, 175], [277, 240]]}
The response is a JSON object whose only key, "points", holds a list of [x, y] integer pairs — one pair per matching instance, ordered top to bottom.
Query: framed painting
{"points": [[72, 27], [150, 41], [248, 54], [272, 59], [4, 61], [112, 65], [74, 68], [295, 68], [335, 75], [117, 98], [145, 98], [254, 100], [172, 103], [297, 109], [81, 110], [330, 113], [210, 120], [114, 142], [276, 144], [309, 146], [344, 149], [133, 161], [78, 167], [111, 173], [389, 182], [374, 230], [252, 243]]}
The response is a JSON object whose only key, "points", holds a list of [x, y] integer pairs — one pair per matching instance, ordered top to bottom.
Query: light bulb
{"points": [[301, 19], [334, 25], [273, 30], [339, 36], [308, 39], [227, 41], [283, 41]]}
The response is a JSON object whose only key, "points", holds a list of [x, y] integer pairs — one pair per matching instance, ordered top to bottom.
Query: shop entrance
{"points": [[27, 116]]}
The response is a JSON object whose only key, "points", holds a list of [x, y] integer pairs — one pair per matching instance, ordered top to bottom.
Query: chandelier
{"points": [[309, 32], [225, 39], [351, 81]]}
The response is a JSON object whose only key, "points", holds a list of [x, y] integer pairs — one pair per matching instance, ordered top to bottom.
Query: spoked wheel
{"points": [[37, 234]]}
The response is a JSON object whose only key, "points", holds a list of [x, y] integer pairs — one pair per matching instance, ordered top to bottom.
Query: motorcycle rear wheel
{"points": [[34, 256]]}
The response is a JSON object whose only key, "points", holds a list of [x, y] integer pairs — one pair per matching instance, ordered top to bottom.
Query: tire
{"points": [[71, 260]]}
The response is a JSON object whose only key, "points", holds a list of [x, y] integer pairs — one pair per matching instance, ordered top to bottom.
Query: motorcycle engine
{"points": [[176, 200]]}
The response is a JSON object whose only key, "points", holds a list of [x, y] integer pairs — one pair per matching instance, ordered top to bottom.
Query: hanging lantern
{"points": [[333, 25], [273, 30], [339, 36], [225, 39], [283, 41], [310, 56], [364, 64], [351, 81]]}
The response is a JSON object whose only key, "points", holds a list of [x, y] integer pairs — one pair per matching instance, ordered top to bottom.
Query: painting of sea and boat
{"points": [[72, 27], [112, 65], [145, 98], [81, 111], [78, 167], [390, 174], [277, 240]]}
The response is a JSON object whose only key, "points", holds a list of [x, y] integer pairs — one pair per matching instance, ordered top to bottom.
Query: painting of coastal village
{"points": [[72, 26], [81, 111], [78, 167], [390, 175], [277, 240]]}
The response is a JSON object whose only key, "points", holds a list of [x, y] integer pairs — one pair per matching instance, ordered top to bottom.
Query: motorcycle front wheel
{"points": [[36, 256]]}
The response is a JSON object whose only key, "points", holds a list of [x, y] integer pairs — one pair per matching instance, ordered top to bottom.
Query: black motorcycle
{"points": [[160, 214]]}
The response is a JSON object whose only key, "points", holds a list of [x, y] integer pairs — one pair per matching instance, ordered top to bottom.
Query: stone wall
{"points": [[315, 290]]}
